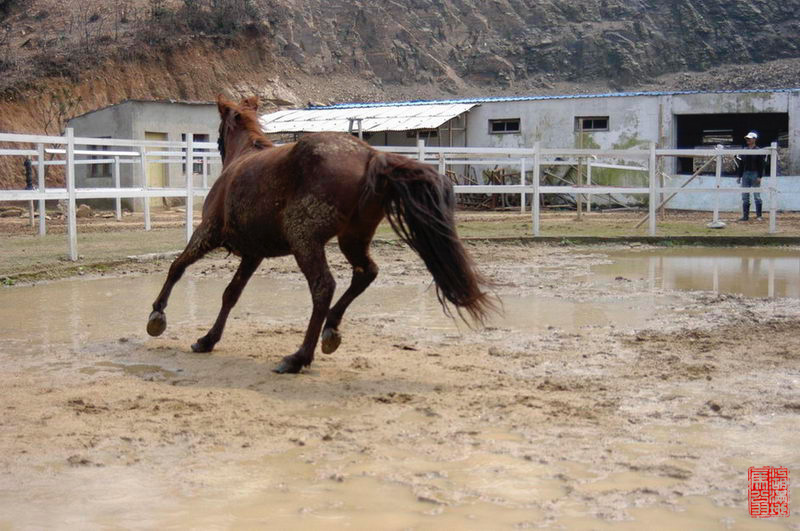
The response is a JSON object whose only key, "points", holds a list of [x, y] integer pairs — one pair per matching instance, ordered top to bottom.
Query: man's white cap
{"points": [[751, 134]]}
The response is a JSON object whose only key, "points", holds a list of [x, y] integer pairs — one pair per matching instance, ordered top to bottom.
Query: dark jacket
{"points": [[754, 163]]}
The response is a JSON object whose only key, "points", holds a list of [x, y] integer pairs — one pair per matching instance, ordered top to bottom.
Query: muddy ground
{"points": [[409, 425]]}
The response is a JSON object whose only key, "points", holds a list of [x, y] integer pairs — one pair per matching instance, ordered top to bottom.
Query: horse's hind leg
{"points": [[199, 244], [356, 250], [312, 262], [246, 269]]}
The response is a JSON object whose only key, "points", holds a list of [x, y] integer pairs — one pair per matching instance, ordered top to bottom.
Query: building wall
{"points": [[793, 105], [131, 119], [176, 119], [634, 121], [110, 122], [788, 197]]}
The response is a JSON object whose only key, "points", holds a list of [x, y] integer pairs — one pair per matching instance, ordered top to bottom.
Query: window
{"points": [[591, 123], [509, 125], [197, 167], [99, 170]]}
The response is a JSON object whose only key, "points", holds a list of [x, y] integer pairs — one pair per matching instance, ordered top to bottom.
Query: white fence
{"points": [[126, 152], [537, 157], [529, 161]]}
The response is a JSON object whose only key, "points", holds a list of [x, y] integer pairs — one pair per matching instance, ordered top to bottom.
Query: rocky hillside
{"points": [[529, 44], [59, 58]]}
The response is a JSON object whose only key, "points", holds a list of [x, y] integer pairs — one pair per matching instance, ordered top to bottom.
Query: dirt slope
{"points": [[62, 58]]}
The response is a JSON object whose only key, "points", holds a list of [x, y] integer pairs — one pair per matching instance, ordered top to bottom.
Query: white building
{"points": [[674, 119]]}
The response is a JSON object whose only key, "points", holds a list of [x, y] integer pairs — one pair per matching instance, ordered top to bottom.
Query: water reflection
{"points": [[754, 272], [83, 311]]}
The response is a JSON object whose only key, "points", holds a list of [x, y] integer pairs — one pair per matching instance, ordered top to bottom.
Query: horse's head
{"points": [[239, 129]]}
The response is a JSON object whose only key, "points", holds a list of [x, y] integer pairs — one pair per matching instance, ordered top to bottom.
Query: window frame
{"points": [[581, 120], [506, 121]]}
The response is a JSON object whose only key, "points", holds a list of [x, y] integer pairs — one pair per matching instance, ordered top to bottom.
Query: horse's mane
{"points": [[247, 110], [254, 132]]}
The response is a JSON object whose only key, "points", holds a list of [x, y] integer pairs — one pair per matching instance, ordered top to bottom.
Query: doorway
{"points": [[708, 130], [157, 171]]}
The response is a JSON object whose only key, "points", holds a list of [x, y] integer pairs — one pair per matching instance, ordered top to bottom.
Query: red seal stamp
{"points": [[768, 493]]}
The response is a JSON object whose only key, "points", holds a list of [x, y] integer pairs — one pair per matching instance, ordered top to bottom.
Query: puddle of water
{"points": [[754, 272], [83, 311], [286, 491], [692, 513]]}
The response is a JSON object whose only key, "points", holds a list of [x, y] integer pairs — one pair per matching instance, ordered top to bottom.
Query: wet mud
{"points": [[624, 387]]}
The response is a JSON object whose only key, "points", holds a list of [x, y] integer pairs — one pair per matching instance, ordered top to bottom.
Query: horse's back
{"points": [[330, 158], [311, 187]]}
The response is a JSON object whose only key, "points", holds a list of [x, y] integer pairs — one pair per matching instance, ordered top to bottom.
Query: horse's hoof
{"points": [[156, 323], [331, 339], [202, 346], [288, 366]]}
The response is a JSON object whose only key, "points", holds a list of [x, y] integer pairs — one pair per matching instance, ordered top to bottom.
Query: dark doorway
{"points": [[708, 130]]}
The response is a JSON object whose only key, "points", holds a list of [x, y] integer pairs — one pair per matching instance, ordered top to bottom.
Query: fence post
{"points": [[421, 150], [205, 172], [40, 175], [522, 182], [535, 182], [589, 182], [189, 185], [718, 185], [773, 188], [653, 189], [118, 200], [146, 205], [72, 225]]}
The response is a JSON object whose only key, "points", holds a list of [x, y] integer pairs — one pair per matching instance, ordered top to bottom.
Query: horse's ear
{"points": [[250, 103], [223, 105]]}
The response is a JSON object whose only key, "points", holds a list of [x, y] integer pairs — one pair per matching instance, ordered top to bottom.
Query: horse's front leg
{"points": [[199, 244], [322, 285], [231, 295]]}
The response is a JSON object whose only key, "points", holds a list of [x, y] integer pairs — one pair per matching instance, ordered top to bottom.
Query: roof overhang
{"points": [[373, 118]]}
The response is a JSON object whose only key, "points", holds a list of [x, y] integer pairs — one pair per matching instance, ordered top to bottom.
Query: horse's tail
{"points": [[420, 205]]}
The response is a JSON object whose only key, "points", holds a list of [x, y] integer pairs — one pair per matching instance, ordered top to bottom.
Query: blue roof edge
{"points": [[539, 98]]}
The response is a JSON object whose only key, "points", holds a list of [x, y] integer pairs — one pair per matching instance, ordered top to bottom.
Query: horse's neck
{"points": [[240, 144]]}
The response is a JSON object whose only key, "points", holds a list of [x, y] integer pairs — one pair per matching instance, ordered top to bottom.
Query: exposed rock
{"points": [[501, 42], [172, 202], [83, 211], [11, 212]]}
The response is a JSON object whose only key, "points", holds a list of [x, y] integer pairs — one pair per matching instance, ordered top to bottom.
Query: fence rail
{"points": [[141, 154]]}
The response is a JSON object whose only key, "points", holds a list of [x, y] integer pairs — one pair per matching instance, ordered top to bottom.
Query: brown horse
{"points": [[292, 199]]}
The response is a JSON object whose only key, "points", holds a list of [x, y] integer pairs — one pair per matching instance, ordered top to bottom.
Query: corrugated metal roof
{"points": [[477, 101], [373, 118]]}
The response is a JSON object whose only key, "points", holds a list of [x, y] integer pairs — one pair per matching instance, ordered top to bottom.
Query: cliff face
{"points": [[533, 42], [450, 44], [60, 58]]}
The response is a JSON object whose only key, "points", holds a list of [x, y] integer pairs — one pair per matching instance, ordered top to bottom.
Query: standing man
{"points": [[751, 169], [28, 173]]}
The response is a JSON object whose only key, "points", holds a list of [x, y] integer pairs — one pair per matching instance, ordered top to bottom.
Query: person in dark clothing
{"points": [[751, 170], [28, 174]]}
